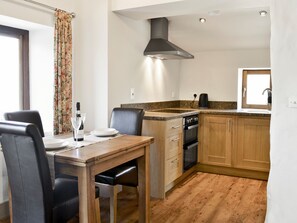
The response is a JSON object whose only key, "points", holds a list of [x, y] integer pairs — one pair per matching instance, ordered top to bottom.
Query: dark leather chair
{"points": [[29, 116], [126, 121], [33, 198]]}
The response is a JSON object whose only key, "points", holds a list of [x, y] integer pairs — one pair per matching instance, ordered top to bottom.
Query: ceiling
{"points": [[238, 25]]}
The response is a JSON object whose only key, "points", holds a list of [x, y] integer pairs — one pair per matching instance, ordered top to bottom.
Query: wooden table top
{"points": [[101, 150]]}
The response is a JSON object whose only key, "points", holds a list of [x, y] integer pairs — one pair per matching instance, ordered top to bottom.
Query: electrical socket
{"points": [[132, 93], [292, 102]]}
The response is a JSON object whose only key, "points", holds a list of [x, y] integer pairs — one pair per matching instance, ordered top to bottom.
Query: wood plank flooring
{"points": [[202, 198]]}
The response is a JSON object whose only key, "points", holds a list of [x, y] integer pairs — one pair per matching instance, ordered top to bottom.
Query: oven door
{"points": [[190, 134], [190, 155]]}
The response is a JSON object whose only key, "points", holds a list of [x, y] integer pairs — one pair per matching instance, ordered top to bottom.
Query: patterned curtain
{"points": [[63, 72]]}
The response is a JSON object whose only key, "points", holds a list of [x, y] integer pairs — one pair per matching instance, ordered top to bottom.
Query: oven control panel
{"points": [[190, 120]]}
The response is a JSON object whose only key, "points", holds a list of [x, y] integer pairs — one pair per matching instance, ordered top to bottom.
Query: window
{"points": [[14, 69], [254, 82]]}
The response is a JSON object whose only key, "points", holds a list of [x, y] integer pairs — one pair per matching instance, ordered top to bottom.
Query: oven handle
{"points": [[191, 127], [191, 146]]}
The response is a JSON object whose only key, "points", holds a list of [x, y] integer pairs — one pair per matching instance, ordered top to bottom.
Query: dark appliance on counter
{"points": [[203, 100], [190, 147]]}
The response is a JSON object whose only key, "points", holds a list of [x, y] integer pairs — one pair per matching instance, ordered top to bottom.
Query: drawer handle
{"points": [[175, 127], [174, 140], [174, 163]]}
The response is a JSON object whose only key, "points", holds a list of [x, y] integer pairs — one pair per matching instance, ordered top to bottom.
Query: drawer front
{"points": [[174, 126], [173, 146], [173, 168]]}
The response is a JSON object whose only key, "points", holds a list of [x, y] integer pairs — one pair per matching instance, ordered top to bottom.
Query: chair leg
{"points": [[113, 204], [97, 210]]}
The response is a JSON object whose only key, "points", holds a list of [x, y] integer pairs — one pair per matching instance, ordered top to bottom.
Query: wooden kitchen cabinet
{"points": [[216, 139], [253, 143], [237, 145], [166, 156]]}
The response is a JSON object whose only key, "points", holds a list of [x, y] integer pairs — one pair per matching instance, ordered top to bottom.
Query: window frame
{"points": [[23, 36], [244, 89]]}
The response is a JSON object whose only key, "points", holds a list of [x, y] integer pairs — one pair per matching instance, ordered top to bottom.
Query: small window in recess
{"points": [[254, 82]]}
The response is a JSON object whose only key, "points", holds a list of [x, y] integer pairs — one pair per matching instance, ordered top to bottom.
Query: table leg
{"points": [[144, 186], [86, 187], [10, 204]]}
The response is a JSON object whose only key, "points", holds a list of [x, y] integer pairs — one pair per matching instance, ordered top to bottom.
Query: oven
{"points": [[190, 147]]}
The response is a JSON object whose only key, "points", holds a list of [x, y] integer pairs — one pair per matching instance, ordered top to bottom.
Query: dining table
{"points": [[88, 161]]}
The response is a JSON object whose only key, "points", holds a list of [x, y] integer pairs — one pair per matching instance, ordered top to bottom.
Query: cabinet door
{"points": [[217, 140], [253, 144]]}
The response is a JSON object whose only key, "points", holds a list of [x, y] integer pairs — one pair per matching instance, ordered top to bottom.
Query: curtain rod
{"points": [[46, 6]]}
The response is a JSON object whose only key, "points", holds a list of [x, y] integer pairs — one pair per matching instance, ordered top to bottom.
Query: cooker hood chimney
{"points": [[159, 46]]}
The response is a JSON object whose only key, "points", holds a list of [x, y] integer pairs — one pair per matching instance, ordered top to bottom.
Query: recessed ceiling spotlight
{"points": [[263, 13], [202, 20]]}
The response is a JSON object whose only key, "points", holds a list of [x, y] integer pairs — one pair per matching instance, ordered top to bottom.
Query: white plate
{"points": [[105, 132], [51, 144]]}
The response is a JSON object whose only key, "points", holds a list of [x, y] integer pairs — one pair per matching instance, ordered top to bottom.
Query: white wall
{"points": [[91, 61], [109, 61], [216, 72], [42, 74], [153, 80], [282, 183]]}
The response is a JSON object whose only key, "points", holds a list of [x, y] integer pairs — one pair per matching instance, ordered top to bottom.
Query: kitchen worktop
{"points": [[158, 115]]}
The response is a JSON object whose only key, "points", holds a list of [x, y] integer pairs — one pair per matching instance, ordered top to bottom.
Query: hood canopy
{"points": [[159, 46]]}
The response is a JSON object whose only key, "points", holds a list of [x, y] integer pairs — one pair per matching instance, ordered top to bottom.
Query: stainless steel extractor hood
{"points": [[159, 46]]}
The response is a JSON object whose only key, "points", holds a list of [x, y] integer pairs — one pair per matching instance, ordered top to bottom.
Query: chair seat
{"points": [[125, 174], [65, 199]]}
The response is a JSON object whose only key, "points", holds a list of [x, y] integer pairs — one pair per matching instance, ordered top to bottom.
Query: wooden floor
{"points": [[201, 198]]}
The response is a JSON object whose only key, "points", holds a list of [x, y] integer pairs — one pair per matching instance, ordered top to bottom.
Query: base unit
{"points": [[235, 145], [166, 159]]}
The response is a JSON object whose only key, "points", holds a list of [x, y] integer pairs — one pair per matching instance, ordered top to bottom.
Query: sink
{"points": [[260, 111]]}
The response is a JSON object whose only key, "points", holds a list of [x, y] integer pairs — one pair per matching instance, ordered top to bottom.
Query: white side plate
{"points": [[104, 132], [51, 144]]}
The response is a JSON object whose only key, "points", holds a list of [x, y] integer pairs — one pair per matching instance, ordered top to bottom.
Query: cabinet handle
{"points": [[175, 127], [174, 140], [174, 163]]}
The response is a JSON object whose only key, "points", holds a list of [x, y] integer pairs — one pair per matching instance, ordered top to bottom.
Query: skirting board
{"points": [[232, 171], [4, 210]]}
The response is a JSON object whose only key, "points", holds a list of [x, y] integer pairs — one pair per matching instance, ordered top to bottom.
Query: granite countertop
{"points": [[155, 115]]}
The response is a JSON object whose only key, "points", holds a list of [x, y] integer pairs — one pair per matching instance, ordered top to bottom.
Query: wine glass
{"points": [[83, 118], [76, 123]]}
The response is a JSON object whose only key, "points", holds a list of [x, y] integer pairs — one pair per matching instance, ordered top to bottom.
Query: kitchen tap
{"points": [[269, 97]]}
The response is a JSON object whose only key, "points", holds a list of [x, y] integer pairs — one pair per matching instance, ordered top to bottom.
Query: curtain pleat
{"points": [[63, 72]]}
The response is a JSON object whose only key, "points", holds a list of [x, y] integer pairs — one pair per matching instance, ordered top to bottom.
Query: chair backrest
{"points": [[29, 116], [127, 120], [28, 172]]}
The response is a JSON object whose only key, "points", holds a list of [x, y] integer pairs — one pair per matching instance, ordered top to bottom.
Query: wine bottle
{"points": [[80, 135]]}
